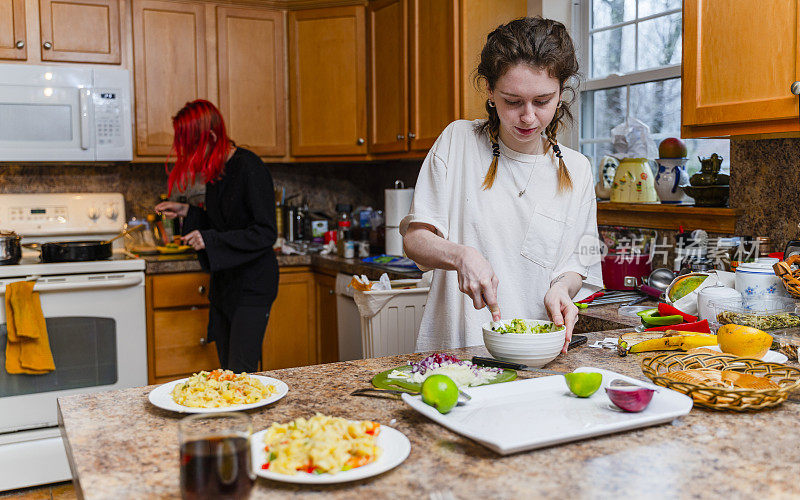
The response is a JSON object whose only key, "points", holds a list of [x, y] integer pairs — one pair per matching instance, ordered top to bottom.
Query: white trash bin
{"points": [[390, 318]]}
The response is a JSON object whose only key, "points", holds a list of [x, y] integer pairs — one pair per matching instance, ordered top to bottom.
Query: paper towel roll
{"points": [[398, 203], [394, 242]]}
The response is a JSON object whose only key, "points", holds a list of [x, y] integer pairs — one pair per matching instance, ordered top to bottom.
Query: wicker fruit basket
{"points": [[790, 277], [785, 378]]}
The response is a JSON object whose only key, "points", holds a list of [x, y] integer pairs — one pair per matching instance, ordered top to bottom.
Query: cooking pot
{"points": [[10, 251], [75, 251], [616, 267]]}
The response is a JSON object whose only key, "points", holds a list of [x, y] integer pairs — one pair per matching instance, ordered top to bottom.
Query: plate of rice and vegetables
{"points": [[325, 449]]}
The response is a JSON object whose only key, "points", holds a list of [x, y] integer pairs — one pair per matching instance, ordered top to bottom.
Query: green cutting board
{"points": [[382, 380]]}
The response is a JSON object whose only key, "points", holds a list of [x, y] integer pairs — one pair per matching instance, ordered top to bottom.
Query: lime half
{"points": [[583, 384], [440, 392]]}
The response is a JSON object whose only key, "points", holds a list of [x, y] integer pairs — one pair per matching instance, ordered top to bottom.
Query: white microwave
{"points": [[64, 113]]}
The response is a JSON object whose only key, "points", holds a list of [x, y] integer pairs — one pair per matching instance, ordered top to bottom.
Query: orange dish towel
{"points": [[28, 347]]}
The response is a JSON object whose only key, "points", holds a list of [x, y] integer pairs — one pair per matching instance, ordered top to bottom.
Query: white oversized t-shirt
{"points": [[528, 240]]}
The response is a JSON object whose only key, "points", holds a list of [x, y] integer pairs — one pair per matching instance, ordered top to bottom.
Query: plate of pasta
{"points": [[217, 391], [325, 450]]}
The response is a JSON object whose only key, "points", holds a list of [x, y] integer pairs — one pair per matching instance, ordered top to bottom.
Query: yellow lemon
{"points": [[744, 341]]}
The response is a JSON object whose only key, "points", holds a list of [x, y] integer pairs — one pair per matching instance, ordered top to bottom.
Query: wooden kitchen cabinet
{"points": [[80, 30], [13, 44], [169, 54], [737, 72], [327, 81], [252, 96], [177, 322], [327, 326], [291, 338]]}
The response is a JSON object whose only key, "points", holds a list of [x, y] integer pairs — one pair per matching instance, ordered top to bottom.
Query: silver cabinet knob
{"points": [[20, 44], [47, 45], [795, 88], [412, 135], [400, 137], [360, 141], [201, 290], [330, 292], [203, 341]]}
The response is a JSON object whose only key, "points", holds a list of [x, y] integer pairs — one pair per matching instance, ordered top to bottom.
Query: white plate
{"points": [[769, 357], [161, 396], [539, 412], [395, 446]]}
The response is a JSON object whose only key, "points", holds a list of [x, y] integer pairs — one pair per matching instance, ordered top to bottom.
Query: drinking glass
{"points": [[215, 456]]}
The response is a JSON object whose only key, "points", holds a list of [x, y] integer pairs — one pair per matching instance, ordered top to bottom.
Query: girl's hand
{"points": [[172, 209], [195, 239], [476, 278], [561, 309]]}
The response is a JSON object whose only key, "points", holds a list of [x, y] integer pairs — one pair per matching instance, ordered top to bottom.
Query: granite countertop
{"points": [[187, 262], [120, 446]]}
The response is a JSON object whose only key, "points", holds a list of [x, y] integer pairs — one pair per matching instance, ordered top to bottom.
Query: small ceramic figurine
{"points": [[608, 168]]}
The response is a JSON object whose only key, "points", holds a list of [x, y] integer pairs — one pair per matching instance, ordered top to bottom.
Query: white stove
{"points": [[95, 316]]}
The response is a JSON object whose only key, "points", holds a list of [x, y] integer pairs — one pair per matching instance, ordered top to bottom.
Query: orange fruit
{"points": [[744, 341]]}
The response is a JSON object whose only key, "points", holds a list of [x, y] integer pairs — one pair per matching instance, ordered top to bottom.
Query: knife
{"points": [[496, 363]]}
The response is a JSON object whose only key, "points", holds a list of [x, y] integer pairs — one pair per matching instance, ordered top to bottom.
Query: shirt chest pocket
{"points": [[543, 239]]}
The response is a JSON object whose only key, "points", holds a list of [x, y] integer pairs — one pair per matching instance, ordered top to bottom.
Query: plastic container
{"points": [[773, 313], [393, 329]]}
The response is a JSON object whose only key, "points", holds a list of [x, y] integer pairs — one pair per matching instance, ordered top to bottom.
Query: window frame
{"points": [[582, 35]]}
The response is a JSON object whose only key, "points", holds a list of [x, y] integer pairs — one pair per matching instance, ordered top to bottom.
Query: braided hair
{"points": [[539, 43]]}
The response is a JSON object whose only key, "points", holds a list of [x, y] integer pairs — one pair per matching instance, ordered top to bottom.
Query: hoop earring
{"points": [[490, 103]]}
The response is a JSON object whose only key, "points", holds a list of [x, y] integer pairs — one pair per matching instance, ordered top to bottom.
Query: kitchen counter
{"points": [[187, 262], [120, 446]]}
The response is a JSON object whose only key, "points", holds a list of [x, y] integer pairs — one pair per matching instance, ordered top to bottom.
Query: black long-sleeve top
{"points": [[238, 229]]}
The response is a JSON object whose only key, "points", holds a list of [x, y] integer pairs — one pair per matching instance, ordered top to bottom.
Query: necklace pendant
{"points": [[521, 193]]}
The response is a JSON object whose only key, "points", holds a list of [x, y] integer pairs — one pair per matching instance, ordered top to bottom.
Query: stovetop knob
{"points": [[93, 213]]}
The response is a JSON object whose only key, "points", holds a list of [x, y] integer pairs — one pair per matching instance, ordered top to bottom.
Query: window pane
{"points": [[650, 7], [608, 12], [659, 42], [613, 51], [658, 104], [602, 110], [704, 148]]}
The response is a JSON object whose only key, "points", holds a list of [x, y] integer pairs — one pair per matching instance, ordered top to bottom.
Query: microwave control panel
{"points": [[108, 117]]}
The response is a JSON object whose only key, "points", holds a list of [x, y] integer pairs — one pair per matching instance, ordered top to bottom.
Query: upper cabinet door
{"points": [[12, 30], [80, 30], [169, 68], [434, 70], [737, 71], [252, 79], [388, 80], [328, 81]]}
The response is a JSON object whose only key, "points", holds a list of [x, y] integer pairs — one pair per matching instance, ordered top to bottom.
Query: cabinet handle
{"points": [[20, 44], [47, 45], [795, 88], [412, 135], [400, 137], [360, 141], [201, 290], [330, 292], [203, 341]]}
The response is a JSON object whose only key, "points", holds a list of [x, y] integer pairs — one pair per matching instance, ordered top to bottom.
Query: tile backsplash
{"points": [[323, 185]]}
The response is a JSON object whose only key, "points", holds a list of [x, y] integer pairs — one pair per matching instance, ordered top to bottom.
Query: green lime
{"points": [[583, 384], [440, 392]]}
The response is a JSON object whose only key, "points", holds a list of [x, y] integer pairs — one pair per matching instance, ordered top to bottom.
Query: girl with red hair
{"points": [[233, 233]]}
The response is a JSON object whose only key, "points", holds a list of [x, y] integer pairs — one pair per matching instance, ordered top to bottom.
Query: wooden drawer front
{"points": [[177, 290], [178, 348]]}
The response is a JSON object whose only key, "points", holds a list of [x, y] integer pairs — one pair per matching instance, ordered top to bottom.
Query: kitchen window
{"points": [[630, 53]]}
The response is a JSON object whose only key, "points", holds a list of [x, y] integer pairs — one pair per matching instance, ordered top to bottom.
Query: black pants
{"points": [[239, 337]]}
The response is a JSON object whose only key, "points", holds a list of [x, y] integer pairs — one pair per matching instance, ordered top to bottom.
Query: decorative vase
{"points": [[670, 177], [633, 182]]}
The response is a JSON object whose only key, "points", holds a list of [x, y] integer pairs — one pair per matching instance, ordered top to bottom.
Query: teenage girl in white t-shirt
{"points": [[501, 211]]}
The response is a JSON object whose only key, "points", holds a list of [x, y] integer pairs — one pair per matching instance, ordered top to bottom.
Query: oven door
{"points": [[96, 327]]}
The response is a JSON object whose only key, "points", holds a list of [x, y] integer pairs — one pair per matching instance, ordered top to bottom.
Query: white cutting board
{"points": [[539, 412]]}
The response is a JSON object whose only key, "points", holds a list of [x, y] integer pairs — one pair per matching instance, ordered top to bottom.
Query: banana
{"points": [[675, 342]]}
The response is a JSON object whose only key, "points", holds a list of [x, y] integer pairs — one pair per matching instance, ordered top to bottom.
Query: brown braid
{"points": [[493, 130], [564, 179]]}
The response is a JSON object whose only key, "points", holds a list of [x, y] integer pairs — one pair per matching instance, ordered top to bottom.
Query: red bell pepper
{"points": [[590, 298], [665, 309], [697, 326]]}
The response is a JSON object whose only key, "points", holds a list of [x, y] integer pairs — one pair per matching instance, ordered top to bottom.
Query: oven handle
{"points": [[84, 111], [60, 287]]}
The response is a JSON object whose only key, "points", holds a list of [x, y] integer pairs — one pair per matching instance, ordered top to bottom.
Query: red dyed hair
{"points": [[201, 144]]}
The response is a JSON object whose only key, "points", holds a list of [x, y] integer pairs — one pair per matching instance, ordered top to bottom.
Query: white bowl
{"points": [[758, 280], [531, 349]]}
